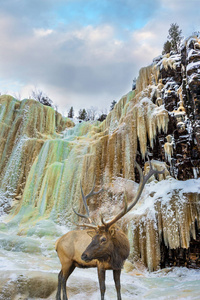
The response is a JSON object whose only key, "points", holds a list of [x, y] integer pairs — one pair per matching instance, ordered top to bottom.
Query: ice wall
{"points": [[24, 127], [43, 161], [45, 169], [168, 214]]}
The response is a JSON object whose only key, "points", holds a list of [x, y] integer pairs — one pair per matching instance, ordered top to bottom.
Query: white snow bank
{"points": [[163, 190]]}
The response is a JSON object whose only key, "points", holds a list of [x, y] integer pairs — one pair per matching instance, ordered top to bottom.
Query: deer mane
{"points": [[121, 249]]}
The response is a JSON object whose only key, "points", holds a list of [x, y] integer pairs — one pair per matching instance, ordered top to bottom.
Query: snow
{"points": [[194, 53], [172, 61], [193, 66], [194, 77], [163, 190]]}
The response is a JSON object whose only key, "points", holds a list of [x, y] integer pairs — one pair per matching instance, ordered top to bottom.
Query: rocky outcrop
{"points": [[191, 60], [178, 80], [27, 285]]}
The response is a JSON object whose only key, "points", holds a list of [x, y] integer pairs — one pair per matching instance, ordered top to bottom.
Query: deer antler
{"points": [[143, 181], [87, 215]]}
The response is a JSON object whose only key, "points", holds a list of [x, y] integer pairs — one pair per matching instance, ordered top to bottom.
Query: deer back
{"points": [[71, 245]]}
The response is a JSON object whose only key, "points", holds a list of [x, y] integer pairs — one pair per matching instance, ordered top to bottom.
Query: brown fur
{"points": [[77, 249], [121, 249], [114, 252]]}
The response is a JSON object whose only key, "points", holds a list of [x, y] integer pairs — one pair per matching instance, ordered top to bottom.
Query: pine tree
{"points": [[174, 36], [174, 39], [166, 47], [134, 84], [112, 104], [71, 112], [82, 114], [102, 117]]}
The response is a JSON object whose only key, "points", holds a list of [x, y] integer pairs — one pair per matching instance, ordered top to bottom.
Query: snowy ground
{"points": [[27, 261], [176, 283]]}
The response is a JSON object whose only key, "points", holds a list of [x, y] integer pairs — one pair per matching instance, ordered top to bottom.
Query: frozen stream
{"points": [[25, 261]]}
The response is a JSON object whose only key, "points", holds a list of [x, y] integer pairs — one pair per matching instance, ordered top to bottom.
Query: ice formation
{"points": [[43, 158]]}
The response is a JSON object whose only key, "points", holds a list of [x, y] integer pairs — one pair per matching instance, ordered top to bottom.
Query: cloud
{"points": [[41, 32], [84, 59], [85, 62]]}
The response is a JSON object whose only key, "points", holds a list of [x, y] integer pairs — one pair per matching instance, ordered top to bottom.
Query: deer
{"points": [[105, 246]]}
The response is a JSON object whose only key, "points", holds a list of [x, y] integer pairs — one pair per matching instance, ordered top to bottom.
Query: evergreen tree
{"points": [[174, 36], [174, 39], [166, 47], [134, 84], [46, 101], [112, 104], [71, 112], [82, 114], [102, 117]]}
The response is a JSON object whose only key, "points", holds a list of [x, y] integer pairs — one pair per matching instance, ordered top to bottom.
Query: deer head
{"points": [[107, 237]]}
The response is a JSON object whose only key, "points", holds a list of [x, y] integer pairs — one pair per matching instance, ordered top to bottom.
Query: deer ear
{"points": [[112, 231], [91, 233]]}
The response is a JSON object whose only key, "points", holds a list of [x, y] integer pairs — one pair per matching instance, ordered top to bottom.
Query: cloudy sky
{"points": [[84, 53]]}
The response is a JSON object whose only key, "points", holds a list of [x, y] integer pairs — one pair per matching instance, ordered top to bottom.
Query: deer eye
{"points": [[103, 239]]}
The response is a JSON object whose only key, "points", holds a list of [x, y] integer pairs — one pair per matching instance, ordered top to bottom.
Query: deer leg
{"points": [[65, 275], [102, 276], [116, 276], [59, 286]]}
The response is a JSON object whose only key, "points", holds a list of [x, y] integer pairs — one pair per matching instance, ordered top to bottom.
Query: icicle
{"points": [[171, 61], [159, 101], [141, 129], [168, 147], [195, 172], [173, 222]]}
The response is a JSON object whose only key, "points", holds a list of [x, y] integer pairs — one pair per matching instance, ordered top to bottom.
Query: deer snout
{"points": [[85, 257]]}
